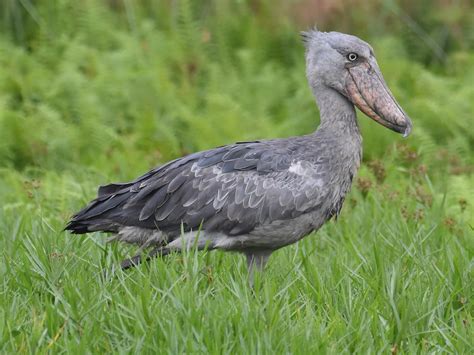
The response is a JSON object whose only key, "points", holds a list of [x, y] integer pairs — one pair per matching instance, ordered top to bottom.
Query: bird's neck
{"points": [[337, 113], [340, 131]]}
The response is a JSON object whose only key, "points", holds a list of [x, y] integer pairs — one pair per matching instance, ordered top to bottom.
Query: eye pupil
{"points": [[352, 56]]}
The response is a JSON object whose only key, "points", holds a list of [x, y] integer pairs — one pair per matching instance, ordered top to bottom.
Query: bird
{"points": [[258, 196]]}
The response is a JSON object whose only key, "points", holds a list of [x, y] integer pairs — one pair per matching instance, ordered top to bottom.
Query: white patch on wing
{"points": [[297, 168], [216, 170], [307, 170]]}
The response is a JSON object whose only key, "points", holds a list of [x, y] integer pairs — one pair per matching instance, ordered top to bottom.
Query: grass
{"points": [[103, 91], [382, 278]]}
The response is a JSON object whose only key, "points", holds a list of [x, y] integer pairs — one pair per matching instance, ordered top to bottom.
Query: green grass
{"points": [[93, 92], [383, 276]]}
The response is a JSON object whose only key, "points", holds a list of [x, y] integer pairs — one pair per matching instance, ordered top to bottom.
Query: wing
{"points": [[230, 189]]}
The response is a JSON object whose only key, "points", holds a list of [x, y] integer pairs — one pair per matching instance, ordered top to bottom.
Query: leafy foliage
{"points": [[96, 91]]}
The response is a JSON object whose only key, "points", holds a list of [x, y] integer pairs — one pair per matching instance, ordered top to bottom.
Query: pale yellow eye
{"points": [[352, 56]]}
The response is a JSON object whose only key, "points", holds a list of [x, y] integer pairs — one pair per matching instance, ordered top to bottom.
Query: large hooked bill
{"points": [[367, 89]]}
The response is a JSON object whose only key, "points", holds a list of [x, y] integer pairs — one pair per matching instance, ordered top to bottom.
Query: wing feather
{"points": [[231, 189]]}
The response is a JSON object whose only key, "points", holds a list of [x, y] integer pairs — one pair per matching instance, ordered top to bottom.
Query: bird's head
{"points": [[347, 64]]}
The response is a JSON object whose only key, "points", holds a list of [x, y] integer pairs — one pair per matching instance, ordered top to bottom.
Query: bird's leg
{"points": [[183, 243], [138, 259], [256, 261]]}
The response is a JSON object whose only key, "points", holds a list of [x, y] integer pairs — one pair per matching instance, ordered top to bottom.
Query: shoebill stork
{"points": [[256, 197]]}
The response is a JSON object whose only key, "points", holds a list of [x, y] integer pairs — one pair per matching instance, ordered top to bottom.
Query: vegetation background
{"points": [[96, 91]]}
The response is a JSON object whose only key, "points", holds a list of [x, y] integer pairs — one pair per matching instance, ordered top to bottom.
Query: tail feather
{"points": [[98, 207], [99, 215], [93, 225]]}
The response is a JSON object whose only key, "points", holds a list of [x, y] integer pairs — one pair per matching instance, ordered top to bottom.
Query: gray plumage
{"points": [[256, 197]]}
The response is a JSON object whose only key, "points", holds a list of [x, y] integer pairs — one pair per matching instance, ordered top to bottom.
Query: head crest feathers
{"points": [[306, 36]]}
